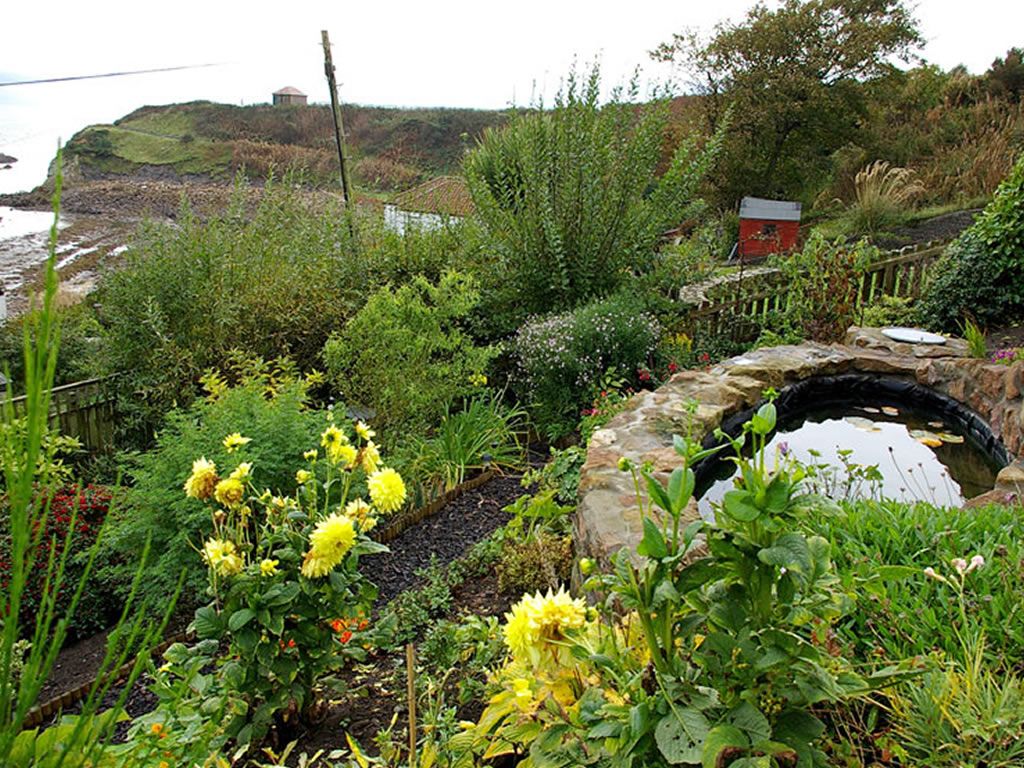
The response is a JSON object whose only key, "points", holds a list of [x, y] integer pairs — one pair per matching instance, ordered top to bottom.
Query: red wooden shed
{"points": [[767, 226]]}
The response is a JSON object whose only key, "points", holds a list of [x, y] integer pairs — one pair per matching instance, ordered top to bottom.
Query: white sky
{"points": [[409, 52], [458, 53]]}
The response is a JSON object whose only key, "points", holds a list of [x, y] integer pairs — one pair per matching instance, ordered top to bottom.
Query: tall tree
{"points": [[1006, 75], [795, 76]]}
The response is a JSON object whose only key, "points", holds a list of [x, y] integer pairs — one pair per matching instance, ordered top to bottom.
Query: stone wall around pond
{"points": [[608, 517]]}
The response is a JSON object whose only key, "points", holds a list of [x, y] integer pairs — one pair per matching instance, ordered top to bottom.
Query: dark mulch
{"points": [[944, 227], [445, 536]]}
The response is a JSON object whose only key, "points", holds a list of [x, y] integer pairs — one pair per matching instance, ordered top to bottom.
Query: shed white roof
{"points": [[775, 210]]}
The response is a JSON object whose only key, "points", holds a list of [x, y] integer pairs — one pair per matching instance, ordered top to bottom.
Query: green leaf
{"points": [[658, 494], [739, 505], [653, 543], [790, 552], [240, 618], [208, 623], [233, 674], [751, 721], [679, 738], [720, 739]]}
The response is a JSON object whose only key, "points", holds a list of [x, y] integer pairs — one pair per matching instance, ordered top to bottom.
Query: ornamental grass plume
{"points": [[201, 483], [387, 490], [329, 542], [537, 625]]}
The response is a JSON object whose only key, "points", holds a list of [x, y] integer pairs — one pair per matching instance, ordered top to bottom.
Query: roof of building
{"points": [[288, 91], [445, 195], [774, 210]]}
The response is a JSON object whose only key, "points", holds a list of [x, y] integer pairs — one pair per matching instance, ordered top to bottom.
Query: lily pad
{"points": [[869, 409], [888, 410], [862, 423], [936, 425], [924, 437], [946, 437]]}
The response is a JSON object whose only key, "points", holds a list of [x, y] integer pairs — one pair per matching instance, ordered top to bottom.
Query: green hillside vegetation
{"points": [[391, 148]]}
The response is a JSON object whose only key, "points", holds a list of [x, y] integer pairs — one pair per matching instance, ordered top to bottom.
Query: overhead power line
{"points": [[109, 74]]}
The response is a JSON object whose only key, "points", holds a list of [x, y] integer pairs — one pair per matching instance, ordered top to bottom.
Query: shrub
{"points": [[571, 197], [982, 272], [824, 281], [274, 283], [888, 311], [79, 345], [405, 354], [560, 358], [281, 428], [75, 518]]}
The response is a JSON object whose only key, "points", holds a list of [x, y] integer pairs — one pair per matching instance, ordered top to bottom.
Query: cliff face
{"points": [[390, 148]]}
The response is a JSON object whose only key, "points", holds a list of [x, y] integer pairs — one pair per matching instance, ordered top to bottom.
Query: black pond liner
{"points": [[858, 389]]}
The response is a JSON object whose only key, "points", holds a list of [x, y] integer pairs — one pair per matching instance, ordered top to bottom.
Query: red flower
{"points": [[672, 367], [345, 636]]}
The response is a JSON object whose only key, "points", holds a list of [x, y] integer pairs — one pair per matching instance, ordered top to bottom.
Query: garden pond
{"points": [[873, 444]]}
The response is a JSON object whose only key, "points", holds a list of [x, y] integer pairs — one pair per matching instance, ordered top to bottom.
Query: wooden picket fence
{"points": [[736, 309], [84, 410]]}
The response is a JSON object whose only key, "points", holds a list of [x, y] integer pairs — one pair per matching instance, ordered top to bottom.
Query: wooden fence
{"points": [[737, 307], [85, 410]]}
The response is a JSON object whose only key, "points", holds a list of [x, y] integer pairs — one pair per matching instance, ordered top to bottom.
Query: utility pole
{"points": [[339, 130]]}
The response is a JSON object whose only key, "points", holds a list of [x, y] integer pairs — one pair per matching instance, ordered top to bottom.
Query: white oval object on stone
{"points": [[913, 336]]}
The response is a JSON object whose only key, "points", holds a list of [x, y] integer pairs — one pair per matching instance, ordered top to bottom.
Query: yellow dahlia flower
{"points": [[364, 431], [234, 441], [310, 455], [369, 457], [303, 476], [203, 480], [387, 491], [229, 492], [330, 541], [222, 556], [268, 567], [537, 623]]}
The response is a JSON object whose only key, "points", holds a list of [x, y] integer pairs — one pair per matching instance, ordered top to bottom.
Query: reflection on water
{"points": [[946, 474]]}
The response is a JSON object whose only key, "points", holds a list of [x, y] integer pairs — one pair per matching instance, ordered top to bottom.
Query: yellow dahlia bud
{"points": [[369, 457], [268, 567]]}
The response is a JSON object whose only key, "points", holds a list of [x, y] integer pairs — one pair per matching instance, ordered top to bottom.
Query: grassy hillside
{"points": [[391, 148]]}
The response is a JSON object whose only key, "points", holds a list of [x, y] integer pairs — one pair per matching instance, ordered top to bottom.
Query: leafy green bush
{"points": [[571, 197], [982, 272], [273, 281], [888, 311], [79, 345], [406, 356], [561, 358], [281, 429]]}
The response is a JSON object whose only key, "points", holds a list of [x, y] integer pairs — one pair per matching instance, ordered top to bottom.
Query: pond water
{"points": [[919, 456]]}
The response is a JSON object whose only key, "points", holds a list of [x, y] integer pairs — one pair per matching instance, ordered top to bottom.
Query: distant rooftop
{"points": [[288, 91], [445, 195]]}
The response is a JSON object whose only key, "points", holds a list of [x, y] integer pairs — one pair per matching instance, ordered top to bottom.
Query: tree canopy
{"points": [[795, 76]]}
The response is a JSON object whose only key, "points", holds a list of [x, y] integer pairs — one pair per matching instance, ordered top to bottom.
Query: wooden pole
{"points": [[339, 130], [410, 670]]}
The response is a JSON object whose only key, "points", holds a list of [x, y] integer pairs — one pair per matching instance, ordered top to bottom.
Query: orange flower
{"points": [[338, 624], [345, 636]]}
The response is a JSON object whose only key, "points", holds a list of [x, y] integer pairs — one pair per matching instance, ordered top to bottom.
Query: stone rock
{"points": [[608, 517]]}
